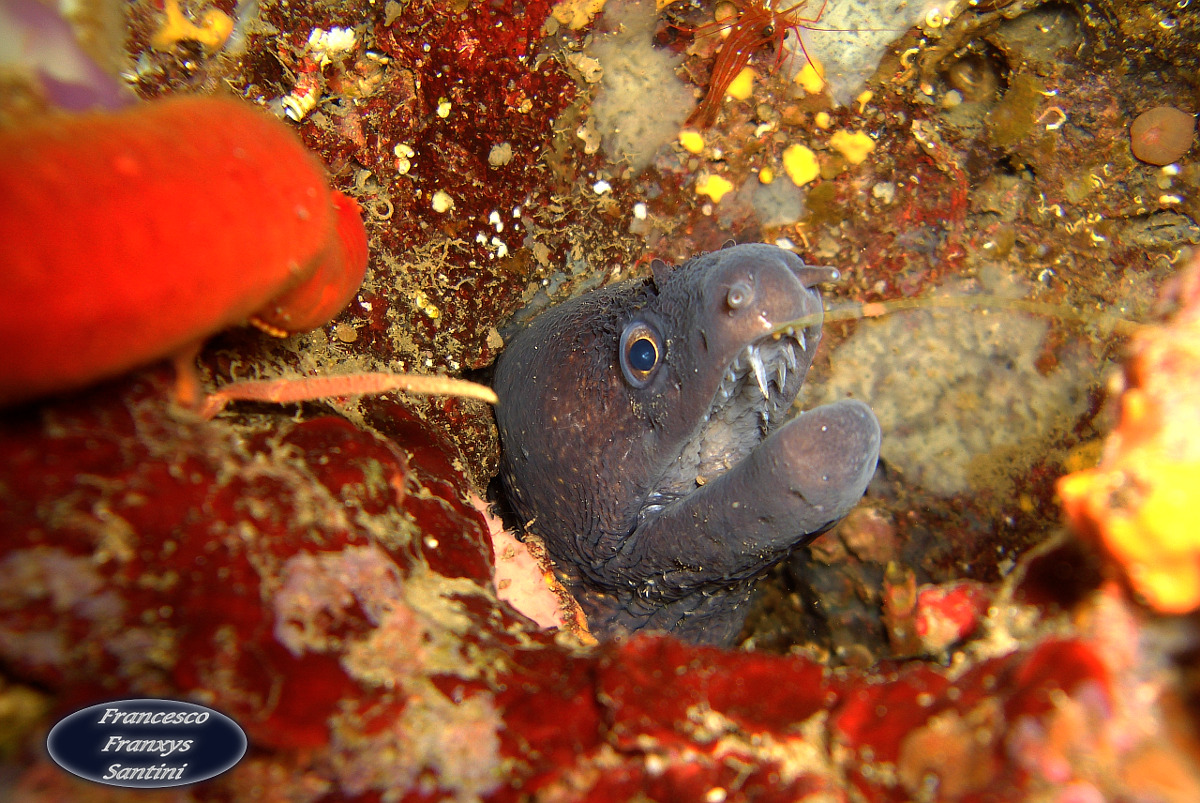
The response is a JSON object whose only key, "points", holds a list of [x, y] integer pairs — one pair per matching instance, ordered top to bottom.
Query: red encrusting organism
{"points": [[756, 23], [133, 236], [336, 279]]}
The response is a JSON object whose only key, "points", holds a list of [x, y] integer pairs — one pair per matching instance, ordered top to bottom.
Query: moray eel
{"points": [[646, 440]]}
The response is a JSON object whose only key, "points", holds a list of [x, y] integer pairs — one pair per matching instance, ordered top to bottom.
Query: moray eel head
{"points": [[647, 439]]}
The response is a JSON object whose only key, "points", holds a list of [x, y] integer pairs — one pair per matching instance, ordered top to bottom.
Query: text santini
{"points": [[160, 773]]}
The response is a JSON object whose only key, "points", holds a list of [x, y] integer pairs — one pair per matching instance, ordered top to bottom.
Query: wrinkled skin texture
{"points": [[639, 443]]}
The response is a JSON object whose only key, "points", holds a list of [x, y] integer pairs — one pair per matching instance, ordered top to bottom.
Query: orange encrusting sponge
{"points": [[129, 237], [1143, 501]]}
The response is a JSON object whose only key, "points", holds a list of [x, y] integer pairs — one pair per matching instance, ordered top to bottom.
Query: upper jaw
{"points": [[749, 365], [772, 367], [753, 398]]}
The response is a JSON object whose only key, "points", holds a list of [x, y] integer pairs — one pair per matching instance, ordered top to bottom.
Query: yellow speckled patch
{"points": [[576, 13], [212, 32], [811, 77], [742, 86], [692, 141], [854, 145], [800, 163], [714, 187]]}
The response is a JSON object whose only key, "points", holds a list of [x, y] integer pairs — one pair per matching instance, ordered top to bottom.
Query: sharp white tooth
{"points": [[803, 344], [789, 354], [759, 372], [780, 375]]}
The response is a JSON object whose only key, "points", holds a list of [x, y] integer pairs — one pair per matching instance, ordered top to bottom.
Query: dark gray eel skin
{"points": [[646, 440]]}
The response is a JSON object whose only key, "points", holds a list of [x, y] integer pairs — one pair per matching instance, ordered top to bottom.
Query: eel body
{"points": [[649, 439]]}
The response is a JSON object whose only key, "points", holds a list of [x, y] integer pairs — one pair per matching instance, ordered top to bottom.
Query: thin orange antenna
{"points": [[311, 388]]}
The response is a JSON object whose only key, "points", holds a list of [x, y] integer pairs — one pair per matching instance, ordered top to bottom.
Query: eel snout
{"points": [[752, 289]]}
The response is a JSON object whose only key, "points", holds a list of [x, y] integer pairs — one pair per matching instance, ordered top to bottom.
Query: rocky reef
{"points": [[317, 572]]}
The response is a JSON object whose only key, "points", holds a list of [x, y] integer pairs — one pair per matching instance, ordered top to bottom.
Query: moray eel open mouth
{"points": [[773, 364], [755, 396], [649, 439]]}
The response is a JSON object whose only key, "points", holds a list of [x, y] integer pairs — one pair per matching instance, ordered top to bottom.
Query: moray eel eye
{"points": [[740, 294], [641, 353]]}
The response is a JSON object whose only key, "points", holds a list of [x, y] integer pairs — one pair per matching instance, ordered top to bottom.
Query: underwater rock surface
{"points": [[954, 389], [317, 572], [328, 590]]}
